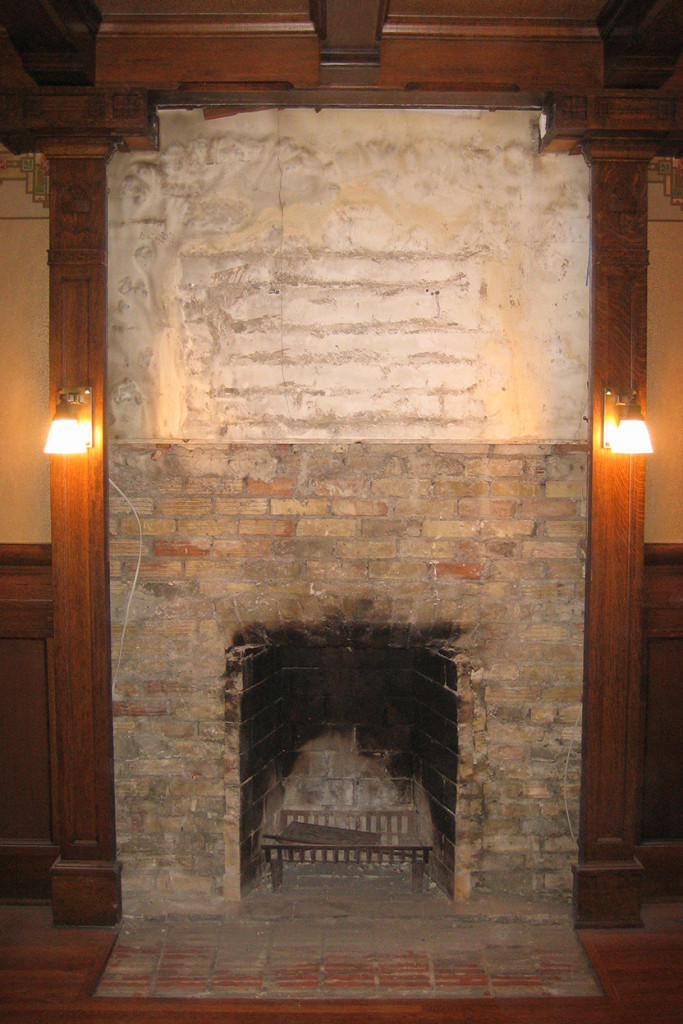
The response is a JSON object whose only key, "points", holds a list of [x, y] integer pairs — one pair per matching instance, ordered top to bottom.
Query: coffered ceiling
{"points": [[516, 50]]}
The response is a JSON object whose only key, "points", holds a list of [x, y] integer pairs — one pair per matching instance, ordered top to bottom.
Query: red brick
{"points": [[281, 487], [465, 570]]}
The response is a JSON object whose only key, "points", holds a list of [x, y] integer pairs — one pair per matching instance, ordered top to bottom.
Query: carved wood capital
{"points": [[76, 122], [627, 125]]}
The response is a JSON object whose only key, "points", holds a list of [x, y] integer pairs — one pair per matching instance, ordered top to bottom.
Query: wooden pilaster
{"points": [[608, 876], [85, 878]]}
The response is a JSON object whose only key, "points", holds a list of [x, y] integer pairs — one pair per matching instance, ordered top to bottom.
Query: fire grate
{"points": [[308, 841]]}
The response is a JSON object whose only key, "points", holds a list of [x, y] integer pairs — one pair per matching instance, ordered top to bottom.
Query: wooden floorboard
{"points": [[47, 976]]}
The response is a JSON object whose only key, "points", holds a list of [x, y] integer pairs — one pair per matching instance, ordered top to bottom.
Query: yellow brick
{"points": [[184, 506], [241, 506], [292, 507], [154, 527], [326, 528], [440, 528], [366, 548], [397, 570]]}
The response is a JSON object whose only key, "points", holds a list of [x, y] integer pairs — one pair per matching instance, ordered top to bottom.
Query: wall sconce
{"points": [[71, 428], [624, 430]]}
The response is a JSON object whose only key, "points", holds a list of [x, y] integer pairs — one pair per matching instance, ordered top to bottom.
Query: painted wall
{"points": [[348, 274], [24, 410], [664, 475]]}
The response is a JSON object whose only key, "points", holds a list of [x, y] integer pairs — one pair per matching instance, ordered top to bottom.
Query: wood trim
{"points": [[25, 554], [664, 554], [26, 591]]}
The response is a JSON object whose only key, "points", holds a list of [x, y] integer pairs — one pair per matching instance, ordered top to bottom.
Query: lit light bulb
{"points": [[632, 436], [65, 437]]}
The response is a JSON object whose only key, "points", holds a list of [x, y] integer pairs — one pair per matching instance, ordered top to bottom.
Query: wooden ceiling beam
{"points": [[54, 38], [643, 41], [221, 45], [518, 55]]}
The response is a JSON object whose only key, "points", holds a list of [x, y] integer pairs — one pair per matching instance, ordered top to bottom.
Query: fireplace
{"points": [[347, 365], [354, 721]]}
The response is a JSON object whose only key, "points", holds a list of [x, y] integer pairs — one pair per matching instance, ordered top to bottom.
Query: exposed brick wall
{"points": [[485, 538]]}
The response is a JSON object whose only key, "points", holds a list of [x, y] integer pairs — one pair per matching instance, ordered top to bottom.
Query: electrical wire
{"points": [[280, 283], [135, 577], [566, 770]]}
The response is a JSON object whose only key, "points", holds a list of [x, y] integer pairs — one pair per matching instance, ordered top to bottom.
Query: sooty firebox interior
{"points": [[351, 721]]}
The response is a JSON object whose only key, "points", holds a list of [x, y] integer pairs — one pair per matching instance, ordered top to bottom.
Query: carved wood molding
{"points": [[571, 118], [89, 121]]}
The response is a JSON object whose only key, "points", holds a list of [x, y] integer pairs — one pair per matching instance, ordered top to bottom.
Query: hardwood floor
{"points": [[47, 975]]}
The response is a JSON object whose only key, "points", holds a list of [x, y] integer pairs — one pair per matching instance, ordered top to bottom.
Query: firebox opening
{"points": [[349, 725]]}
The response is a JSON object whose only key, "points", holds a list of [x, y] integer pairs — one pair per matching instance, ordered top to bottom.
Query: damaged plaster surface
{"points": [[348, 274]]}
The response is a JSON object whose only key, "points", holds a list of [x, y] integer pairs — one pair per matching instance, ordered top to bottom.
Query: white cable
{"points": [[281, 288], [135, 577], [566, 769]]}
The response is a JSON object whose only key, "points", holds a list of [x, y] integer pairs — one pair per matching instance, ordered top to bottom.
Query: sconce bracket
{"points": [[82, 401], [613, 401]]}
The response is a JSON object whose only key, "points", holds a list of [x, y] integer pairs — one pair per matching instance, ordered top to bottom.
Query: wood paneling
{"points": [[27, 821], [660, 846]]}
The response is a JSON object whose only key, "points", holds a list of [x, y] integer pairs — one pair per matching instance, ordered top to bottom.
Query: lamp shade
{"points": [[65, 436], [632, 436]]}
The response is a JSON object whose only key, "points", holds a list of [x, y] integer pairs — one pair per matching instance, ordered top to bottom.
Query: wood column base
{"points": [[86, 892], [607, 895]]}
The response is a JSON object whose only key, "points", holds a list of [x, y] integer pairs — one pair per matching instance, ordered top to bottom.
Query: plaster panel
{"points": [[348, 274]]}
